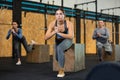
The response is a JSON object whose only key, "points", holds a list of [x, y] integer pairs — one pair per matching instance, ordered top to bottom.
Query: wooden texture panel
{"points": [[109, 26], [33, 28], [74, 30], [82, 32], [113, 33], [51, 41], [90, 43], [5, 45], [39, 54], [74, 59]]}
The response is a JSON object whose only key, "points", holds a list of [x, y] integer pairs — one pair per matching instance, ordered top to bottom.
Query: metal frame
{"points": [[36, 7], [110, 9], [84, 17], [116, 24]]}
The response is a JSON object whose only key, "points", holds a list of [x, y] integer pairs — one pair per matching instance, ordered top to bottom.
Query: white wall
{"points": [[102, 4]]}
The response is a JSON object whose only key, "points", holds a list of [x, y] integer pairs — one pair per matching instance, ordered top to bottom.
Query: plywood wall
{"points": [[33, 28], [110, 28], [87, 29], [82, 31], [51, 41], [90, 43], [5, 45]]}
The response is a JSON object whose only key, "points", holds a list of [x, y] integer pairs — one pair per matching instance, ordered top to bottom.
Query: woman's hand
{"points": [[56, 29], [12, 30]]}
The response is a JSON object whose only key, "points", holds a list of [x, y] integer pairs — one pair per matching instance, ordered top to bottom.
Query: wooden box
{"points": [[117, 52], [39, 54], [115, 55], [107, 57], [74, 59]]}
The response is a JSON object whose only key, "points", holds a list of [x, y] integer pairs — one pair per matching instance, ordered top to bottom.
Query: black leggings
{"points": [[16, 45]]}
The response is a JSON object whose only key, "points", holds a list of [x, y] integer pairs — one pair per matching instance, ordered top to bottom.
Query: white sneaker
{"points": [[33, 42], [18, 63], [60, 75]]}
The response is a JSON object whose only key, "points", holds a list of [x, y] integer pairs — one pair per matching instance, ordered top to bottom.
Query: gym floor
{"points": [[41, 71]]}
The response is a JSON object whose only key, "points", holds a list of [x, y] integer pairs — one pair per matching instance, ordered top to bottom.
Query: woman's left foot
{"points": [[33, 42], [18, 63], [61, 73]]}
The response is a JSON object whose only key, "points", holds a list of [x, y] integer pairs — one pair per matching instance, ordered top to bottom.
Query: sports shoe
{"points": [[33, 42], [100, 59], [18, 63], [61, 73]]}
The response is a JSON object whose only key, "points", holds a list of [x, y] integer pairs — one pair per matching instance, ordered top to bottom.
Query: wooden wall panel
{"points": [[109, 26], [33, 28], [75, 31], [82, 31], [114, 33], [51, 41], [90, 43], [5, 45]]}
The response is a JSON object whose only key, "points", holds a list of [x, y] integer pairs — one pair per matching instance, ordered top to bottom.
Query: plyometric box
{"points": [[39, 54], [115, 54], [107, 57], [74, 59]]}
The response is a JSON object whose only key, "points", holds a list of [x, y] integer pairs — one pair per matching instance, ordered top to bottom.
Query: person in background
{"points": [[64, 32], [101, 35], [17, 39]]}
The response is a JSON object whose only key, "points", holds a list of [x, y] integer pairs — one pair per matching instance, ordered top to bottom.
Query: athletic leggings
{"points": [[16, 44], [60, 49]]}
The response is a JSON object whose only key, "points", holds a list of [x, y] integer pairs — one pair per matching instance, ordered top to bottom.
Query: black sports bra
{"points": [[59, 38]]}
